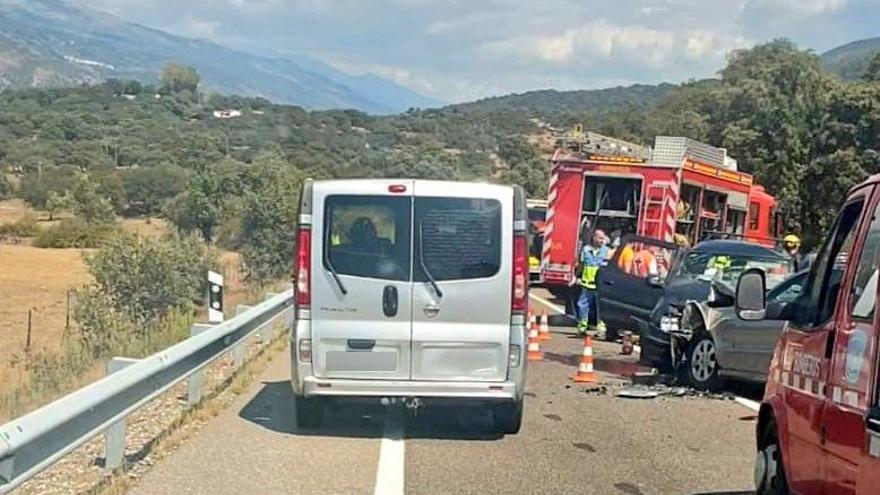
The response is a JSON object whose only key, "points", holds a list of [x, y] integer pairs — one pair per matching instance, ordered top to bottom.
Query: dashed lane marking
{"points": [[392, 455]]}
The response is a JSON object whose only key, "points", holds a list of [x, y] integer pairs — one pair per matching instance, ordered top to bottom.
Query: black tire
{"points": [[702, 363], [309, 412], [508, 417], [769, 468]]}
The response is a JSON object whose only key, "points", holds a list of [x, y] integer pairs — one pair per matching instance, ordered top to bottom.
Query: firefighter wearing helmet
{"points": [[792, 245]]}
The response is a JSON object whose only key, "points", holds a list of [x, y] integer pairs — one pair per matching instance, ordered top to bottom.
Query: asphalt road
{"points": [[572, 441]]}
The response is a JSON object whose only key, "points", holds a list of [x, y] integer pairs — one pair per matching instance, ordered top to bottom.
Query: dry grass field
{"points": [[38, 280]]}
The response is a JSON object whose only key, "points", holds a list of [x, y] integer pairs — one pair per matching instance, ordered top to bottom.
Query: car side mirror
{"points": [[655, 281], [751, 302]]}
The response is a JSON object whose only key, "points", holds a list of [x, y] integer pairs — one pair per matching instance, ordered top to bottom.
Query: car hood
{"points": [[681, 290]]}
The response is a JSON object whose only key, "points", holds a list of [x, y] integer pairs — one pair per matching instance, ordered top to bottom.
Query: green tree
{"points": [[872, 73], [177, 78], [147, 189], [56, 202], [87, 202], [268, 223], [144, 278]]}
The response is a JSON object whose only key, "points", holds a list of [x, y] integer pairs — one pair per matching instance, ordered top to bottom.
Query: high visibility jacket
{"points": [[335, 240], [591, 259], [625, 260], [720, 262]]}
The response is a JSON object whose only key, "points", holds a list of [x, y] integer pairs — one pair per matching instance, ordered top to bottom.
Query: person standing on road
{"points": [[792, 245], [593, 256]]}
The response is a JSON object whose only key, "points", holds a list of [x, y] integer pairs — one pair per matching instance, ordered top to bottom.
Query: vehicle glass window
{"points": [[754, 213], [537, 214], [368, 236], [460, 238], [642, 260], [704, 265], [788, 291], [820, 293], [863, 295]]}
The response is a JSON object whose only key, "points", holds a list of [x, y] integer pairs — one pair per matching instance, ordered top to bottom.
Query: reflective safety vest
{"points": [[335, 240], [591, 259], [720, 262], [644, 264]]}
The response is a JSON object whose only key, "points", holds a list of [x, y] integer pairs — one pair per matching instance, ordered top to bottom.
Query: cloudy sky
{"points": [[459, 50]]}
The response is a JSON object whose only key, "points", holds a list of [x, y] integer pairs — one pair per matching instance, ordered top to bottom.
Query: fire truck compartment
{"points": [[613, 202]]}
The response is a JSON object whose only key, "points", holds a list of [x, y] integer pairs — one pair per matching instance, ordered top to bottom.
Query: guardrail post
{"points": [[266, 331], [239, 350], [194, 382], [114, 435]]}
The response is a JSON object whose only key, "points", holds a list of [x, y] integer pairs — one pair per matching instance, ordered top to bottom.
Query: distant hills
{"points": [[52, 43], [850, 60], [592, 100]]}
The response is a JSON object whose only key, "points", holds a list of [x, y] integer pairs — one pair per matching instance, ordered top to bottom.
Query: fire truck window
{"points": [[618, 195], [754, 213], [736, 220], [823, 285], [864, 290]]}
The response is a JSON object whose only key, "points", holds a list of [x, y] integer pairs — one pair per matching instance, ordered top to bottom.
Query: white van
{"points": [[411, 289]]}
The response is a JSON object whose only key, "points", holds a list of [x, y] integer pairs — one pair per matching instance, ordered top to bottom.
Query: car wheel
{"points": [[702, 366], [309, 412], [508, 417], [769, 470]]}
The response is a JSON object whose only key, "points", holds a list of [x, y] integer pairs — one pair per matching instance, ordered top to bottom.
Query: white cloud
{"points": [[800, 8], [590, 44]]}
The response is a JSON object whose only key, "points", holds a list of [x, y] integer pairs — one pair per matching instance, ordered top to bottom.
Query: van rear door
{"points": [[463, 252], [361, 314]]}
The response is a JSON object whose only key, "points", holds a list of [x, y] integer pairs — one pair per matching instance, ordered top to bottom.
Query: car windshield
{"points": [[704, 265]]}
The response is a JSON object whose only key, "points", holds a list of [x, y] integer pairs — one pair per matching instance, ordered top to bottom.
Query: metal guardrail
{"points": [[35, 441]]}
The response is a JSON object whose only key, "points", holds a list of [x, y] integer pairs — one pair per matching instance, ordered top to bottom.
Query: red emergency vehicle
{"points": [[680, 186], [818, 428]]}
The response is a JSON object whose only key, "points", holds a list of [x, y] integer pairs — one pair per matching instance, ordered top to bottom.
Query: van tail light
{"points": [[301, 275], [520, 295]]}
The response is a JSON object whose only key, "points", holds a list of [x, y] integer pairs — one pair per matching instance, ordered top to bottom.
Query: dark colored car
{"points": [[651, 299]]}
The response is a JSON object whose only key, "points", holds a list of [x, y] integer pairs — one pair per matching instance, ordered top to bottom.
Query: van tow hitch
{"points": [[413, 404]]}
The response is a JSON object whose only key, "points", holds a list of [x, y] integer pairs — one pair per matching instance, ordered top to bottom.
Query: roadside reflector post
{"points": [[215, 297], [194, 382], [114, 435]]}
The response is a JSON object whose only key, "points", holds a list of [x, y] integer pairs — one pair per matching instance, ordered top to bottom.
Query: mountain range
{"points": [[54, 43], [850, 60]]}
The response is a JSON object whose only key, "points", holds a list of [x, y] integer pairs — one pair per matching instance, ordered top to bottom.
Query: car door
{"points": [[462, 272], [361, 279], [624, 289], [754, 341], [806, 356], [843, 419], [869, 462]]}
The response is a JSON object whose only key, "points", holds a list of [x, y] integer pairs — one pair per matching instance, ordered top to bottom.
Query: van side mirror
{"points": [[751, 302]]}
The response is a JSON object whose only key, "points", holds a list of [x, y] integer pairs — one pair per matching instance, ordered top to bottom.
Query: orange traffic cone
{"points": [[532, 322], [544, 329], [534, 353], [585, 373]]}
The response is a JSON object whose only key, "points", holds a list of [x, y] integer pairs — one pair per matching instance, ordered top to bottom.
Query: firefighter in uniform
{"points": [[593, 256]]}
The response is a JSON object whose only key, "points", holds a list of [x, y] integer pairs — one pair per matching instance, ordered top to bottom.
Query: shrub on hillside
{"points": [[23, 227], [75, 233], [146, 278]]}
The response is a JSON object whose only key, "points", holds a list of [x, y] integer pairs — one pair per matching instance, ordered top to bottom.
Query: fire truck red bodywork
{"points": [[657, 212]]}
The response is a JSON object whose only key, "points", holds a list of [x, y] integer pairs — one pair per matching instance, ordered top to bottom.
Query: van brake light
{"points": [[397, 188], [302, 279], [519, 296]]}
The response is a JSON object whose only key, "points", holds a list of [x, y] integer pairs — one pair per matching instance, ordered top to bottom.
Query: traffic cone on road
{"points": [[532, 322], [544, 329], [534, 353], [585, 373]]}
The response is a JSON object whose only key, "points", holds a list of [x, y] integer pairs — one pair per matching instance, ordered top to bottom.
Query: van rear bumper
{"points": [[336, 387]]}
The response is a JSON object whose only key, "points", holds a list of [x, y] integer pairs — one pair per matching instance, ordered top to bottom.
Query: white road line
{"points": [[545, 302], [748, 403], [392, 455]]}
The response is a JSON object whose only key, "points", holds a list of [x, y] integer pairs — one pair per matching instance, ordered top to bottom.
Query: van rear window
{"points": [[368, 236], [458, 238]]}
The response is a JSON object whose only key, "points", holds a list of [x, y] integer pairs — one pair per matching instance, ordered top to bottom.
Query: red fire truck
{"points": [[680, 186]]}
